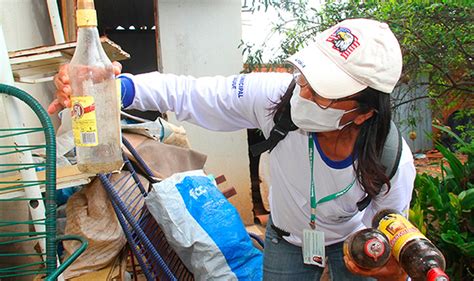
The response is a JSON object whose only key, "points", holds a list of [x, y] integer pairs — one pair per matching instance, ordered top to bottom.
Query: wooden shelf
{"points": [[41, 64]]}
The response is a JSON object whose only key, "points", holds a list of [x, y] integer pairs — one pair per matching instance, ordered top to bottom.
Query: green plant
{"points": [[436, 39], [442, 208]]}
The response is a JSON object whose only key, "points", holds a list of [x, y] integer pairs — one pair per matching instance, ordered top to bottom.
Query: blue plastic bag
{"points": [[204, 229]]}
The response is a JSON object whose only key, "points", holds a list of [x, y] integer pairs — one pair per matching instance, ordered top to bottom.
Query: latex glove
{"points": [[63, 87], [391, 271]]}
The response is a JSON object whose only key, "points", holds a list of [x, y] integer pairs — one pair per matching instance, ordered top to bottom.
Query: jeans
{"points": [[284, 261]]}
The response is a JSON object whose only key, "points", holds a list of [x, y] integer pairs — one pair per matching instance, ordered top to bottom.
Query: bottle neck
{"points": [[87, 31], [88, 37], [89, 48]]}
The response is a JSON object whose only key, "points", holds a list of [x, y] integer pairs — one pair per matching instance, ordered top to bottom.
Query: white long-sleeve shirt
{"points": [[243, 101]]}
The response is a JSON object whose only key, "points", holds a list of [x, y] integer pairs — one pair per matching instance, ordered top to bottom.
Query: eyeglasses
{"points": [[299, 78], [302, 82]]}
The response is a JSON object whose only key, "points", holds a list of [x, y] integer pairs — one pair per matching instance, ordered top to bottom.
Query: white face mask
{"points": [[309, 117]]}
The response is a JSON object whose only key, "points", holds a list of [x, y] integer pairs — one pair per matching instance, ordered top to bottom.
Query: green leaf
{"points": [[451, 133], [455, 166], [434, 195], [466, 199], [455, 203], [416, 216], [453, 237], [458, 240], [468, 249]]}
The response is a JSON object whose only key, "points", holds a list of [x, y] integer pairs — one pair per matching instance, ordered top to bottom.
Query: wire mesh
{"points": [[28, 223], [20, 254], [156, 258]]}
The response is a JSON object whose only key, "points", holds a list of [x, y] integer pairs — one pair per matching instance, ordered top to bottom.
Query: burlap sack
{"points": [[90, 214]]}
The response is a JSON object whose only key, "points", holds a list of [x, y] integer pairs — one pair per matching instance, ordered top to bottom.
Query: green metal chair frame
{"points": [[48, 266]]}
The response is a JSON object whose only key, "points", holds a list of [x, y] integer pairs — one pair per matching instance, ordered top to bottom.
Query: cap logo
{"points": [[344, 41], [300, 62]]}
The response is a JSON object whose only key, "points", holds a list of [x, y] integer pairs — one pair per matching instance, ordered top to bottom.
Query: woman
{"points": [[340, 103]]}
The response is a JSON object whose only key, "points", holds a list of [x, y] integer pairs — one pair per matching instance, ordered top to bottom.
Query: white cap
{"points": [[349, 57]]}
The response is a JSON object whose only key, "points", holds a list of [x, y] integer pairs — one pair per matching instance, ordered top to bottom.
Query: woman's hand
{"points": [[63, 87], [391, 271]]}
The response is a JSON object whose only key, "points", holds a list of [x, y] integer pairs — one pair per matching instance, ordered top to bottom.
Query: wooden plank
{"points": [[68, 17], [55, 21], [108, 45], [42, 49], [113, 50], [159, 56], [28, 61], [42, 63], [39, 64], [38, 68], [50, 69], [35, 79], [61, 172], [65, 177], [61, 185]]}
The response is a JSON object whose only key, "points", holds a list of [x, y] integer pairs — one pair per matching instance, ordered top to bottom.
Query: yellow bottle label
{"points": [[86, 17], [84, 122], [399, 232]]}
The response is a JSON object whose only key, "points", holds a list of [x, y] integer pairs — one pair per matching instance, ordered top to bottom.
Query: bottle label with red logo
{"points": [[84, 122], [399, 232]]}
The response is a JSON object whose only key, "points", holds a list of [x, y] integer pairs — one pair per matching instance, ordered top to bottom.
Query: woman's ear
{"points": [[361, 118]]}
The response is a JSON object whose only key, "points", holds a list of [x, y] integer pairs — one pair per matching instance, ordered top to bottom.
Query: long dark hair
{"points": [[371, 139], [369, 144]]}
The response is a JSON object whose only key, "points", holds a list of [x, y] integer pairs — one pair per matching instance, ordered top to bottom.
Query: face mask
{"points": [[309, 117]]}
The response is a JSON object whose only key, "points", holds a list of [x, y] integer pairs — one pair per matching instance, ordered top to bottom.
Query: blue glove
{"points": [[127, 91]]}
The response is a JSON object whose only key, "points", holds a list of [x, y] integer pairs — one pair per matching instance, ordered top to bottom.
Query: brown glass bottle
{"points": [[367, 248], [420, 259]]}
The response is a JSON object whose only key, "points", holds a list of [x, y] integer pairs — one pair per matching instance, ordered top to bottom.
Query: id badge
{"points": [[313, 247]]}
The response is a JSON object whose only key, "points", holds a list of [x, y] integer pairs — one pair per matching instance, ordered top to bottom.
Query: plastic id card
{"points": [[313, 247]]}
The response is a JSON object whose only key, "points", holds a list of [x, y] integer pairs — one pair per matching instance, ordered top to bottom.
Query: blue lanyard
{"points": [[312, 190]]}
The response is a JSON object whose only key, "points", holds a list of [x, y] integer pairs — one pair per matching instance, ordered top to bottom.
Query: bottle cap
{"points": [[86, 15], [367, 248], [436, 274]]}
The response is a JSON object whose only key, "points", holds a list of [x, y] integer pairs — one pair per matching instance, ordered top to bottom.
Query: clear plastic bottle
{"points": [[95, 107], [420, 259]]}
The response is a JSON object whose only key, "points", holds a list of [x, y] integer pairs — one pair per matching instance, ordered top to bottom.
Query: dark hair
{"points": [[371, 140], [369, 144]]}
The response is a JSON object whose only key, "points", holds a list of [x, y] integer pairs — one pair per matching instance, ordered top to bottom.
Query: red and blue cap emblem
{"points": [[344, 41]]}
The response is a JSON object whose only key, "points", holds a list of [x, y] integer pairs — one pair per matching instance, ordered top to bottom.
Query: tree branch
{"points": [[410, 100]]}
